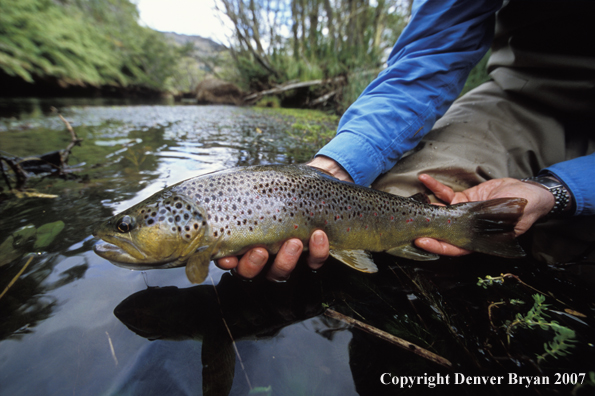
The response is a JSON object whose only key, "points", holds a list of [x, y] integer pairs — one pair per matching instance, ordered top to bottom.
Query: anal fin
{"points": [[413, 253], [356, 259]]}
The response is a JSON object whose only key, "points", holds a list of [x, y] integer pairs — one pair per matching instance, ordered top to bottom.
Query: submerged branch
{"points": [[75, 140], [47, 163], [17, 276], [401, 343]]}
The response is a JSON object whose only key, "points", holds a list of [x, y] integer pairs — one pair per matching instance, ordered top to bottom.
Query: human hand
{"points": [[539, 203], [251, 263]]}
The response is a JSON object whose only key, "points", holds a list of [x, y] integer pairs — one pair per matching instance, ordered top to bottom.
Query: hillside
{"points": [[203, 46]]}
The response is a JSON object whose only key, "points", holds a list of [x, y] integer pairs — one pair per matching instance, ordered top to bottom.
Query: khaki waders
{"points": [[537, 110]]}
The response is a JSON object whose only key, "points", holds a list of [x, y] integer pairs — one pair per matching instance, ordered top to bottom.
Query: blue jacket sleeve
{"points": [[426, 71], [578, 175]]}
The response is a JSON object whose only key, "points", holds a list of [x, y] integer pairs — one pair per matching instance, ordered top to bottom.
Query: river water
{"points": [[74, 324]]}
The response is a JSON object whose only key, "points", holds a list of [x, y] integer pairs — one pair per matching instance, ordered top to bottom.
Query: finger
{"points": [[441, 191], [438, 247], [319, 249], [286, 260], [227, 263], [252, 263]]}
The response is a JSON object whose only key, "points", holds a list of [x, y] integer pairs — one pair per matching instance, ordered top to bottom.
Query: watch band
{"points": [[559, 190]]}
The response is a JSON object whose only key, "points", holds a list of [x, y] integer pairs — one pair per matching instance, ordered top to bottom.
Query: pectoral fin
{"points": [[413, 253], [357, 259], [197, 267]]}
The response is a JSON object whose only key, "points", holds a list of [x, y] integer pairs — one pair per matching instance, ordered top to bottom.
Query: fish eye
{"points": [[125, 224]]}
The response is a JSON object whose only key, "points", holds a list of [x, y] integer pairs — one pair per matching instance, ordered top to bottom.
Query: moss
{"points": [[269, 101], [311, 126]]}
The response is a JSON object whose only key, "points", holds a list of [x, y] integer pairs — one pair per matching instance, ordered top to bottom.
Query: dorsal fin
{"points": [[323, 171], [421, 197]]}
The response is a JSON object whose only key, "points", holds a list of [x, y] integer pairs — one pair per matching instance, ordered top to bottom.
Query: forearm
{"points": [[426, 72]]}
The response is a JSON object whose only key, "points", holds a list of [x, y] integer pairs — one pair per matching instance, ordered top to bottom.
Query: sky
{"points": [[190, 17]]}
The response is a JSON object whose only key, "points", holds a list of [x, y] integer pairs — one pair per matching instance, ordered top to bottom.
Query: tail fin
{"points": [[492, 226]]}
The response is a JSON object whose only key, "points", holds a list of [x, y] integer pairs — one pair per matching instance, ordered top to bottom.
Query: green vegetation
{"points": [[303, 40], [83, 42], [339, 43], [478, 75], [313, 127], [28, 239], [536, 318]]}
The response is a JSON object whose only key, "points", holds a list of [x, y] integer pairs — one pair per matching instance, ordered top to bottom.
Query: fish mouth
{"points": [[129, 257]]}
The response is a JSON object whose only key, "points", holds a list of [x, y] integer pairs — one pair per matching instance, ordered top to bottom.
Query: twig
{"points": [[288, 87], [323, 98], [75, 140], [20, 174], [6, 180], [17, 276], [401, 343]]}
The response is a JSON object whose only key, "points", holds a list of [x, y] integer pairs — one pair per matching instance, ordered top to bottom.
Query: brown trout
{"points": [[228, 212]]}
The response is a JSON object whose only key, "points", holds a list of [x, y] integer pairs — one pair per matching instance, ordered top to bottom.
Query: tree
{"points": [[278, 41], [82, 42]]}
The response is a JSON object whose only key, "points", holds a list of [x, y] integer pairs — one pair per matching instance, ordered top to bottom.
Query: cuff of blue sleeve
{"points": [[356, 156]]}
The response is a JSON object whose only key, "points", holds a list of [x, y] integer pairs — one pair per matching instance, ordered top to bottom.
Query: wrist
{"points": [[330, 166], [563, 201]]}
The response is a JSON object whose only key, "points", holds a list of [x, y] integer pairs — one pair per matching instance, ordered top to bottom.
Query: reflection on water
{"points": [[75, 324]]}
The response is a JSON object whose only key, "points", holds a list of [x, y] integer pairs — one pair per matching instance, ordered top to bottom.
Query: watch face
{"points": [[549, 183]]}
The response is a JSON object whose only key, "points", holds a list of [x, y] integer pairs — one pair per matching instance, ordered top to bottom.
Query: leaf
{"points": [[46, 234], [23, 235], [7, 251]]}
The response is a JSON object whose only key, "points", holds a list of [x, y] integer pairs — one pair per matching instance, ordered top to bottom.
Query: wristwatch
{"points": [[558, 189]]}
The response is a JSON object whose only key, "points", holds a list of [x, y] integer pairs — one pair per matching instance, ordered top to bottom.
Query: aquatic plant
{"points": [[537, 317]]}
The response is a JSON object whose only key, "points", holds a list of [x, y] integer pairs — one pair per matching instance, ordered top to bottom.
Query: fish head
{"points": [[160, 232]]}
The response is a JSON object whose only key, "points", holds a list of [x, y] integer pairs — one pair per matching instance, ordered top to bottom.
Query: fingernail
{"points": [[318, 238], [292, 247], [257, 258]]}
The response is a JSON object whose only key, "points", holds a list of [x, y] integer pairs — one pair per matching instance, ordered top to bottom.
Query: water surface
{"points": [[74, 324]]}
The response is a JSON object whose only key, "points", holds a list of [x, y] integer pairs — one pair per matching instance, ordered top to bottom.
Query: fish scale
{"points": [[229, 212]]}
